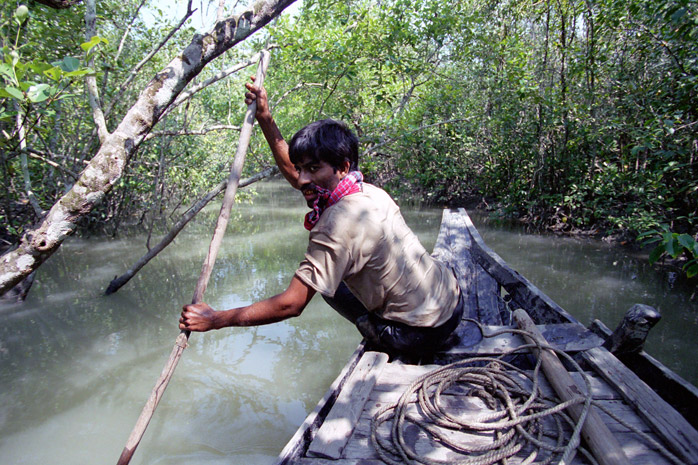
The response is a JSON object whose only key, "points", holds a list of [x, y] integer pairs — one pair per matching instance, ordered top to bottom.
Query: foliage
{"points": [[573, 115], [673, 245]]}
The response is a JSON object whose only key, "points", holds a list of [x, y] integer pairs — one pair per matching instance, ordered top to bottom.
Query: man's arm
{"points": [[279, 147], [290, 303]]}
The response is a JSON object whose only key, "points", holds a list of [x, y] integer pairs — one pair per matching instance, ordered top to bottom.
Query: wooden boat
{"points": [[652, 421]]}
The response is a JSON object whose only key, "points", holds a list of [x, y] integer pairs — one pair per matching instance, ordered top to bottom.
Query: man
{"points": [[362, 258]]}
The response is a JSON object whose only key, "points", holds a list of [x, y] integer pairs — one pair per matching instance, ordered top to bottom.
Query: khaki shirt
{"points": [[364, 241]]}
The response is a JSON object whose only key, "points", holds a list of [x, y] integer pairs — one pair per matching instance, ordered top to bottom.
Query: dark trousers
{"points": [[393, 336]]}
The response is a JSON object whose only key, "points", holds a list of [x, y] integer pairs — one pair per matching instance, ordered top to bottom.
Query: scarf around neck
{"points": [[350, 184]]}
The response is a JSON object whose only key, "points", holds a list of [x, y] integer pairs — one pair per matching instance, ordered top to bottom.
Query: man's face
{"points": [[314, 173]]}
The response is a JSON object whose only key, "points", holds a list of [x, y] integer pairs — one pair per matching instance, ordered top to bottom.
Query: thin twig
{"points": [[147, 58]]}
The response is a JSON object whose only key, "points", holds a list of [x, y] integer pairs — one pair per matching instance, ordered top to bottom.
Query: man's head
{"points": [[326, 140], [323, 153]]}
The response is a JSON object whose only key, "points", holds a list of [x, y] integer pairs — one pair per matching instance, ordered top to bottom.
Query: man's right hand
{"points": [[258, 94], [198, 317]]}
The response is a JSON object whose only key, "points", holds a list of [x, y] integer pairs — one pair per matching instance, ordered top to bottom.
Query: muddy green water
{"points": [[76, 367]]}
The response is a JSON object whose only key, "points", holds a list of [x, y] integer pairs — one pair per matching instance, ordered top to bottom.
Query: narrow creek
{"points": [[76, 367]]}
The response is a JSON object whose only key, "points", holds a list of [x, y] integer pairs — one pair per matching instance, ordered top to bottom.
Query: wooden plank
{"points": [[442, 249], [487, 298], [569, 337], [397, 377], [678, 392], [335, 431], [305, 433], [677, 433], [604, 446], [360, 447], [314, 461]]}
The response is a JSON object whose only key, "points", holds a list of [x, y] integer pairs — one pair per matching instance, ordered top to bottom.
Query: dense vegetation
{"points": [[573, 115]]}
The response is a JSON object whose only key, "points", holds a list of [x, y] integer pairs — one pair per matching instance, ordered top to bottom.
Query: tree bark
{"points": [[110, 161], [118, 282]]}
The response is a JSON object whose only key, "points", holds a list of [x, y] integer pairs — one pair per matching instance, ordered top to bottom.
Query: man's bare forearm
{"points": [[279, 148], [290, 303]]}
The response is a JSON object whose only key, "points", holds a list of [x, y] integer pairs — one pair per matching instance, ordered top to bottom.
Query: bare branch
{"points": [[59, 4], [221, 10], [128, 29], [147, 58], [91, 80], [295, 88], [184, 96], [421, 128], [200, 132], [36, 154], [108, 165], [186, 217]]}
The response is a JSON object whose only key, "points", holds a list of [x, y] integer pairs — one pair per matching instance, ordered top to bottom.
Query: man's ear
{"points": [[346, 167]]}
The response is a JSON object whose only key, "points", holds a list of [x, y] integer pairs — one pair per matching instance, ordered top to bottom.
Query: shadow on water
{"points": [[76, 367]]}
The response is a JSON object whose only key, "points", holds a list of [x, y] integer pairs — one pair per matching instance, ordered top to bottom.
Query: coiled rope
{"points": [[517, 420]]}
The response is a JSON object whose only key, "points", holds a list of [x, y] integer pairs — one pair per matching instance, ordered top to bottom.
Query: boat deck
{"points": [[339, 430]]}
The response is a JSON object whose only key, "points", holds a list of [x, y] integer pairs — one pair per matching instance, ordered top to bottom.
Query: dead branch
{"points": [[200, 132], [108, 164], [186, 217]]}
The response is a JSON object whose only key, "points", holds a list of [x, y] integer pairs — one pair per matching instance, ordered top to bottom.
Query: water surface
{"points": [[76, 367]]}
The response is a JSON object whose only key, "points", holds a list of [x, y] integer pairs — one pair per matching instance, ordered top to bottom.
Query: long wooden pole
{"points": [[181, 342], [601, 442]]}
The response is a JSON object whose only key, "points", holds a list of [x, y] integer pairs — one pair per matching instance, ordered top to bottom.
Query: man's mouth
{"points": [[308, 190], [309, 194]]}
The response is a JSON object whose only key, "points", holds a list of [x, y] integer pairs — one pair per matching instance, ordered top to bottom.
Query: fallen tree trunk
{"points": [[110, 161], [119, 281]]}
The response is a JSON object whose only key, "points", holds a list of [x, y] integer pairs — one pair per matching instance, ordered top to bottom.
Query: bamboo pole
{"points": [[181, 341], [601, 441]]}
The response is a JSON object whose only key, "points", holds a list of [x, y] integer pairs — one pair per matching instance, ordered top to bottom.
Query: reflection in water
{"points": [[76, 367]]}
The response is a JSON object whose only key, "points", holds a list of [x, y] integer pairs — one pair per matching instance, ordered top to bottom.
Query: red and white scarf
{"points": [[350, 184]]}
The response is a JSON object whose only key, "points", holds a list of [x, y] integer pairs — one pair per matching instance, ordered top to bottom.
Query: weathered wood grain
{"points": [[522, 291], [569, 337], [398, 377], [671, 387], [335, 431], [595, 433], [680, 437], [296, 446]]}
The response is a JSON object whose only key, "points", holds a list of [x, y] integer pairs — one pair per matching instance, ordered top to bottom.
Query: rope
{"points": [[521, 419]]}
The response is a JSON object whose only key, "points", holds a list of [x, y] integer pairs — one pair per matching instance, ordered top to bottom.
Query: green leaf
{"points": [[21, 13], [678, 14], [93, 42], [69, 64], [39, 66], [6, 71], [80, 72], [54, 73], [14, 93], [39, 93], [5, 115], [636, 149], [689, 243], [670, 244], [656, 253], [691, 268]]}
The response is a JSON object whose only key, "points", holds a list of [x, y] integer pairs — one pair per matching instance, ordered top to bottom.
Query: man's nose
{"points": [[303, 177]]}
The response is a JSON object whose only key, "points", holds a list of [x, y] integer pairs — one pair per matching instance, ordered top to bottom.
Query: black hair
{"points": [[326, 140]]}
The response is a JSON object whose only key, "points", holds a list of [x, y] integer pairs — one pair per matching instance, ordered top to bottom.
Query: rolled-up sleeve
{"points": [[326, 263]]}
